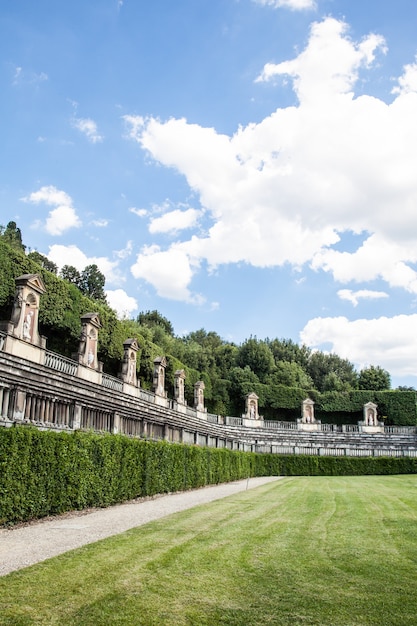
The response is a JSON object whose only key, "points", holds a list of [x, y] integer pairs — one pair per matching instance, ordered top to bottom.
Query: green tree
{"points": [[13, 236], [43, 261], [71, 275], [92, 283], [154, 318], [288, 350], [257, 356], [321, 365], [290, 374], [374, 378]]}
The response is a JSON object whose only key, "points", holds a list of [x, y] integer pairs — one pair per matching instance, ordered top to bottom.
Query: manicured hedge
{"points": [[45, 473]]}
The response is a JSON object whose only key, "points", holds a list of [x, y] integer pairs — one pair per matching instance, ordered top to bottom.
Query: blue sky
{"points": [[243, 166]]}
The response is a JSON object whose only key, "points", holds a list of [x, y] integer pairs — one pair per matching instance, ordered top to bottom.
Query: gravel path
{"points": [[31, 543]]}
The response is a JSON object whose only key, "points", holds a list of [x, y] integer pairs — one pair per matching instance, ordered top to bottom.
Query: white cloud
{"points": [[295, 5], [330, 64], [22, 77], [407, 83], [89, 128], [285, 189], [138, 212], [63, 216], [61, 219], [174, 221], [100, 223], [125, 252], [72, 255], [378, 257], [170, 272], [361, 294], [123, 304], [388, 342]]}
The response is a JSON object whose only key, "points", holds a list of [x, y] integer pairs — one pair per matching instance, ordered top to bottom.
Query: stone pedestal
{"points": [[252, 423], [308, 427]]}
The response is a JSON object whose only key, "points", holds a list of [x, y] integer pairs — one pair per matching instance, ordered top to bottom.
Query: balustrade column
{"points": [[19, 405], [28, 407], [43, 410], [76, 419], [116, 423], [166, 432]]}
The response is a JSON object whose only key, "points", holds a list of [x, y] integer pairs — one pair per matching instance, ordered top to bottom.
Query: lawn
{"points": [[305, 550]]}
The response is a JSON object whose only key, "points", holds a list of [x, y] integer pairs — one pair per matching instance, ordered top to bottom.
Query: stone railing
{"points": [[60, 363], [111, 382], [148, 396], [189, 410], [233, 421], [276, 425], [350, 428], [400, 430]]}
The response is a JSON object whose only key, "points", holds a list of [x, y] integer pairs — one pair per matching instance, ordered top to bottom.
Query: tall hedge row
{"points": [[45, 473]]}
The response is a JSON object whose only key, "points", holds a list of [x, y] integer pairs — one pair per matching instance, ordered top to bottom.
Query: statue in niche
{"points": [[27, 325], [90, 358], [131, 369], [371, 417]]}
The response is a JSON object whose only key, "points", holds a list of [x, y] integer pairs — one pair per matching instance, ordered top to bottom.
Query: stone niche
{"points": [[25, 314], [23, 325], [87, 348], [160, 364], [128, 372], [179, 378], [199, 396], [251, 417], [308, 421], [370, 423]]}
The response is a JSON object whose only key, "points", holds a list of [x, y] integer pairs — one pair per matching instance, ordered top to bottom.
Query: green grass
{"points": [[305, 550]]}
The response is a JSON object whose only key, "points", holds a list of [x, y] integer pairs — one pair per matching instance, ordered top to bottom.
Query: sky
{"points": [[244, 166]]}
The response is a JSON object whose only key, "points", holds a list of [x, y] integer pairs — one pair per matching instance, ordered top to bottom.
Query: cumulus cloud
{"points": [[294, 5], [88, 127], [286, 189], [138, 212], [63, 216], [174, 221], [100, 223], [72, 255], [169, 271], [361, 294], [121, 302], [388, 342]]}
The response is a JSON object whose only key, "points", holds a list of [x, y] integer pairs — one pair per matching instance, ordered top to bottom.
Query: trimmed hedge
{"points": [[46, 473]]}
